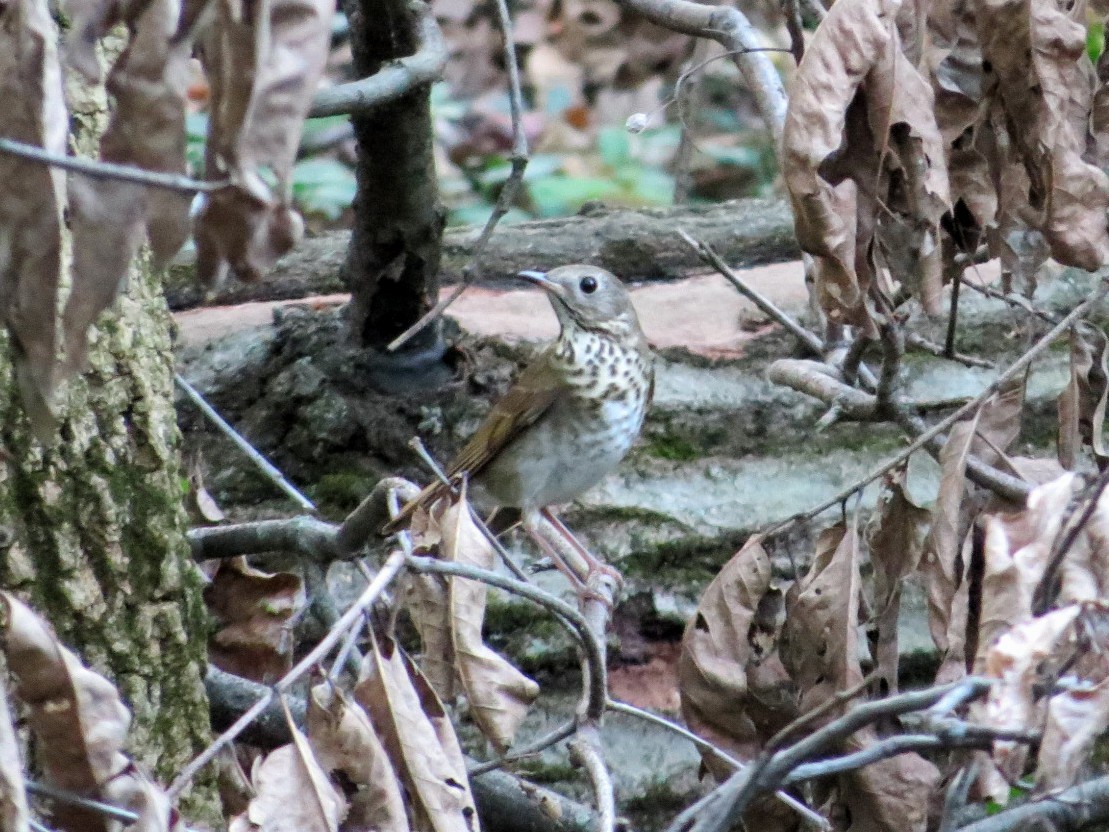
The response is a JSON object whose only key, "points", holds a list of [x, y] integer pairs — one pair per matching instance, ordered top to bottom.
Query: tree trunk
{"points": [[392, 263], [92, 529]]}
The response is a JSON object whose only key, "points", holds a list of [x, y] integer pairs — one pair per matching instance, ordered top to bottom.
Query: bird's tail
{"points": [[429, 495]]}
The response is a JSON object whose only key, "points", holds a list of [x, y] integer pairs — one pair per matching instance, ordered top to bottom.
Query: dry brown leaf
{"points": [[1037, 54], [264, 63], [860, 116], [34, 198], [1082, 402], [201, 505], [896, 542], [1017, 548], [942, 565], [1084, 574], [428, 604], [256, 612], [820, 642], [716, 652], [1014, 660], [499, 695], [1076, 717], [441, 723], [80, 724], [344, 740], [135, 792], [292, 792], [13, 794], [892, 795], [439, 798]]}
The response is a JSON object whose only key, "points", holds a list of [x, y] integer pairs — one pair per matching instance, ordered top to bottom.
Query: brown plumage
{"points": [[573, 413]]}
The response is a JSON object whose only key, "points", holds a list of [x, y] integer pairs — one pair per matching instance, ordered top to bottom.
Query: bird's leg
{"points": [[568, 554]]}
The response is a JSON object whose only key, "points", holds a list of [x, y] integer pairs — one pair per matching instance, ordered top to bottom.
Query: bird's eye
{"points": [[588, 285]]}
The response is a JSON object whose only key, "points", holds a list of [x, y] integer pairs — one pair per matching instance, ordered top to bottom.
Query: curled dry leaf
{"points": [[1037, 54], [264, 63], [860, 115], [34, 198], [1082, 402], [895, 542], [1017, 548], [942, 565], [1084, 575], [429, 606], [256, 612], [820, 642], [716, 654], [1015, 660], [498, 693], [1076, 717], [78, 721], [344, 740], [292, 792], [438, 792], [13, 794], [893, 794]]}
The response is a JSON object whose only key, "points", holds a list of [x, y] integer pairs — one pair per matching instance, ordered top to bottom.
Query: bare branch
{"points": [[729, 27], [395, 80], [109, 170], [913, 339], [264, 465], [313, 539], [389, 570], [562, 732], [1078, 807]]}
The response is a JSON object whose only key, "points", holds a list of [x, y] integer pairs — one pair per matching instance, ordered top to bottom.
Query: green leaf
{"points": [[1095, 40], [614, 145], [324, 186], [560, 195]]}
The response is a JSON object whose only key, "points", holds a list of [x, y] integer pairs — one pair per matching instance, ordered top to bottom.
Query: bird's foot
{"points": [[592, 578]]}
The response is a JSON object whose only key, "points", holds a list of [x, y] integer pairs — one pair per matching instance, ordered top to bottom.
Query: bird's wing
{"points": [[532, 395]]}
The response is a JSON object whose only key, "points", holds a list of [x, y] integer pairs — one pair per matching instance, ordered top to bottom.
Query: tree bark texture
{"points": [[635, 243], [392, 263], [92, 528]]}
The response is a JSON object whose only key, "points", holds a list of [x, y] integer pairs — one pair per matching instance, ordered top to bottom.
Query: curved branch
{"points": [[401, 77]]}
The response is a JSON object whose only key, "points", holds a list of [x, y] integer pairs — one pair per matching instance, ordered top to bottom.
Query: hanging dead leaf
{"points": [[1037, 54], [263, 64], [863, 160], [34, 198], [1082, 402], [201, 505], [896, 542], [1017, 548], [942, 566], [1084, 574], [428, 604], [256, 612], [820, 642], [716, 652], [1015, 660], [499, 695], [1076, 717], [79, 723], [344, 740], [293, 793], [13, 794], [439, 799]]}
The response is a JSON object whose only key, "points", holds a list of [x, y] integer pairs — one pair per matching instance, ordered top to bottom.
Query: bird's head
{"points": [[588, 298]]}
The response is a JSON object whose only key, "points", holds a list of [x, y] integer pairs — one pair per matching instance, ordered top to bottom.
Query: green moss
{"points": [[673, 447], [342, 491], [657, 801]]}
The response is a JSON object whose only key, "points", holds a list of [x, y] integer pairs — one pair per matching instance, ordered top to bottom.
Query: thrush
{"points": [[570, 417]]}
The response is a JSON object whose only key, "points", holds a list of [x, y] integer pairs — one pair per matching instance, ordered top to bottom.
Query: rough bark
{"points": [[637, 244], [392, 264], [92, 529]]}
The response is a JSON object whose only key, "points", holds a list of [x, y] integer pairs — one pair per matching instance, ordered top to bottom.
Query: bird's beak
{"points": [[543, 282]]}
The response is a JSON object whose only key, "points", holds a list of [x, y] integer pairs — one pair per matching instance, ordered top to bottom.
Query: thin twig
{"points": [[395, 80], [109, 170], [505, 199], [1016, 301], [953, 316], [918, 341], [1013, 370], [264, 465], [389, 570], [813, 715], [662, 722], [554, 737], [61, 795], [1080, 807]]}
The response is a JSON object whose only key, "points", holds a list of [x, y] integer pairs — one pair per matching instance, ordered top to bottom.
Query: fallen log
{"points": [[637, 243]]}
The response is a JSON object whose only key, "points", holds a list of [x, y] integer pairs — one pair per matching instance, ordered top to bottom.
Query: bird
{"points": [[568, 420]]}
